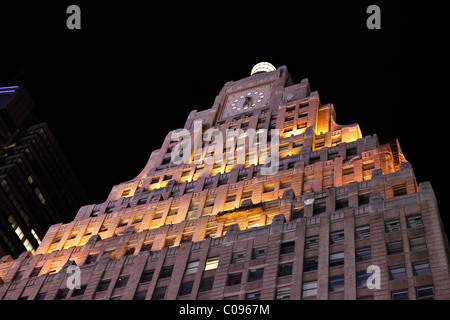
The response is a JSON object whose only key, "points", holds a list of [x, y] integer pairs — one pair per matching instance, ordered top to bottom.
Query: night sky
{"points": [[111, 91]]}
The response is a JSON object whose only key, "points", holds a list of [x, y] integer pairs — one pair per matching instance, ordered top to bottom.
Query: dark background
{"points": [[111, 91]]}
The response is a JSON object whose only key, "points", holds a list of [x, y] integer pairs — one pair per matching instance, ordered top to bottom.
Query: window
{"points": [[347, 170], [286, 184], [269, 187], [399, 190], [126, 192], [231, 197], [364, 199], [341, 204], [319, 208], [173, 211], [94, 213], [298, 213], [123, 222], [414, 222], [392, 226], [362, 232], [337, 237], [312, 243], [417, 244], [287, 247], [394, 248], [258, 253], [363, 254], [238, 257], [91, 259], [336, 259], [310, 264], [192, 267], [285, 269], [421, 269], [35, 272], [166, 272], [396, 273], [255, 274], [146, 276], [234, 278], [361, 279], [122, 281], [206, 284], [336, 284], [103, 285], [185, 288], [309, 289], [79, 292], [159, 293], [283, 293], [62, 294], [425, 294], [140, 295], [401, 295], [40, 296], [253, 296]]}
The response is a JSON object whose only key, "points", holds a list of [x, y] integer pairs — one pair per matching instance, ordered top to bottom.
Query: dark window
{"points": [[364, 199], [341, 204], [319, 208], [298, 213], [414, 222], [392, 226], [362, 232], [337, 237], [312, 243], [417, 244], [287, 247], [394, 248], [258, 253], [363, 254], [238, 257], [91, 259], [336, 259], [310, 264], [285, 269], [421, 269], [35, 272], [166, 272], [396, 273], [255, 274], [146, 276], [234, 278], [361, 279], [122, 281], [206, 284], [336, 284], [103, 285], [186, 288], [79, 292], [159, 293], [62, 294], [425, 294], [140, 295], [403, 295], [40, 296], [253, 296]]}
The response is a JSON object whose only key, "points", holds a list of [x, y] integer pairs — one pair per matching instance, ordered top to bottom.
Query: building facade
{"points": [[37, 185], [306, 213]]}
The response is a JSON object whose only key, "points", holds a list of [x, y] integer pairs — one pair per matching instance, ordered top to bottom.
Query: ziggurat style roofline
{"points": [[190, 228]]}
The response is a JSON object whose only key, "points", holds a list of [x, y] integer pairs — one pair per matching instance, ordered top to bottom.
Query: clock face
{"points": [[247, 100]]}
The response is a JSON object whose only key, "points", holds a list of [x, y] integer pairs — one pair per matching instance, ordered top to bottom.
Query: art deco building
{"points": [[37, 185], [336, 203]]}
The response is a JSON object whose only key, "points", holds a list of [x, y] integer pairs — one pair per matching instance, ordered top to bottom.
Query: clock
{"points": [[246, 100]]}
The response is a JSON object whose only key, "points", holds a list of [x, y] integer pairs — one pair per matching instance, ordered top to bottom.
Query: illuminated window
{"points": [[262, 67], [30, 179], [126, 192], [212, 263], [309, 289]]}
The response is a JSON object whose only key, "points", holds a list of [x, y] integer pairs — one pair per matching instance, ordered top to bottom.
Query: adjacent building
{"points": [[37, 185], [305, 213]]}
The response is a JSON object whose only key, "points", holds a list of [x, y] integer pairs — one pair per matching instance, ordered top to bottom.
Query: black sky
{"points": [[111, 91]]}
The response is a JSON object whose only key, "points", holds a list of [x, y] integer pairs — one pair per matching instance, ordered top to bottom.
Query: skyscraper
{"points": [[37, 185], [261, 196]]}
